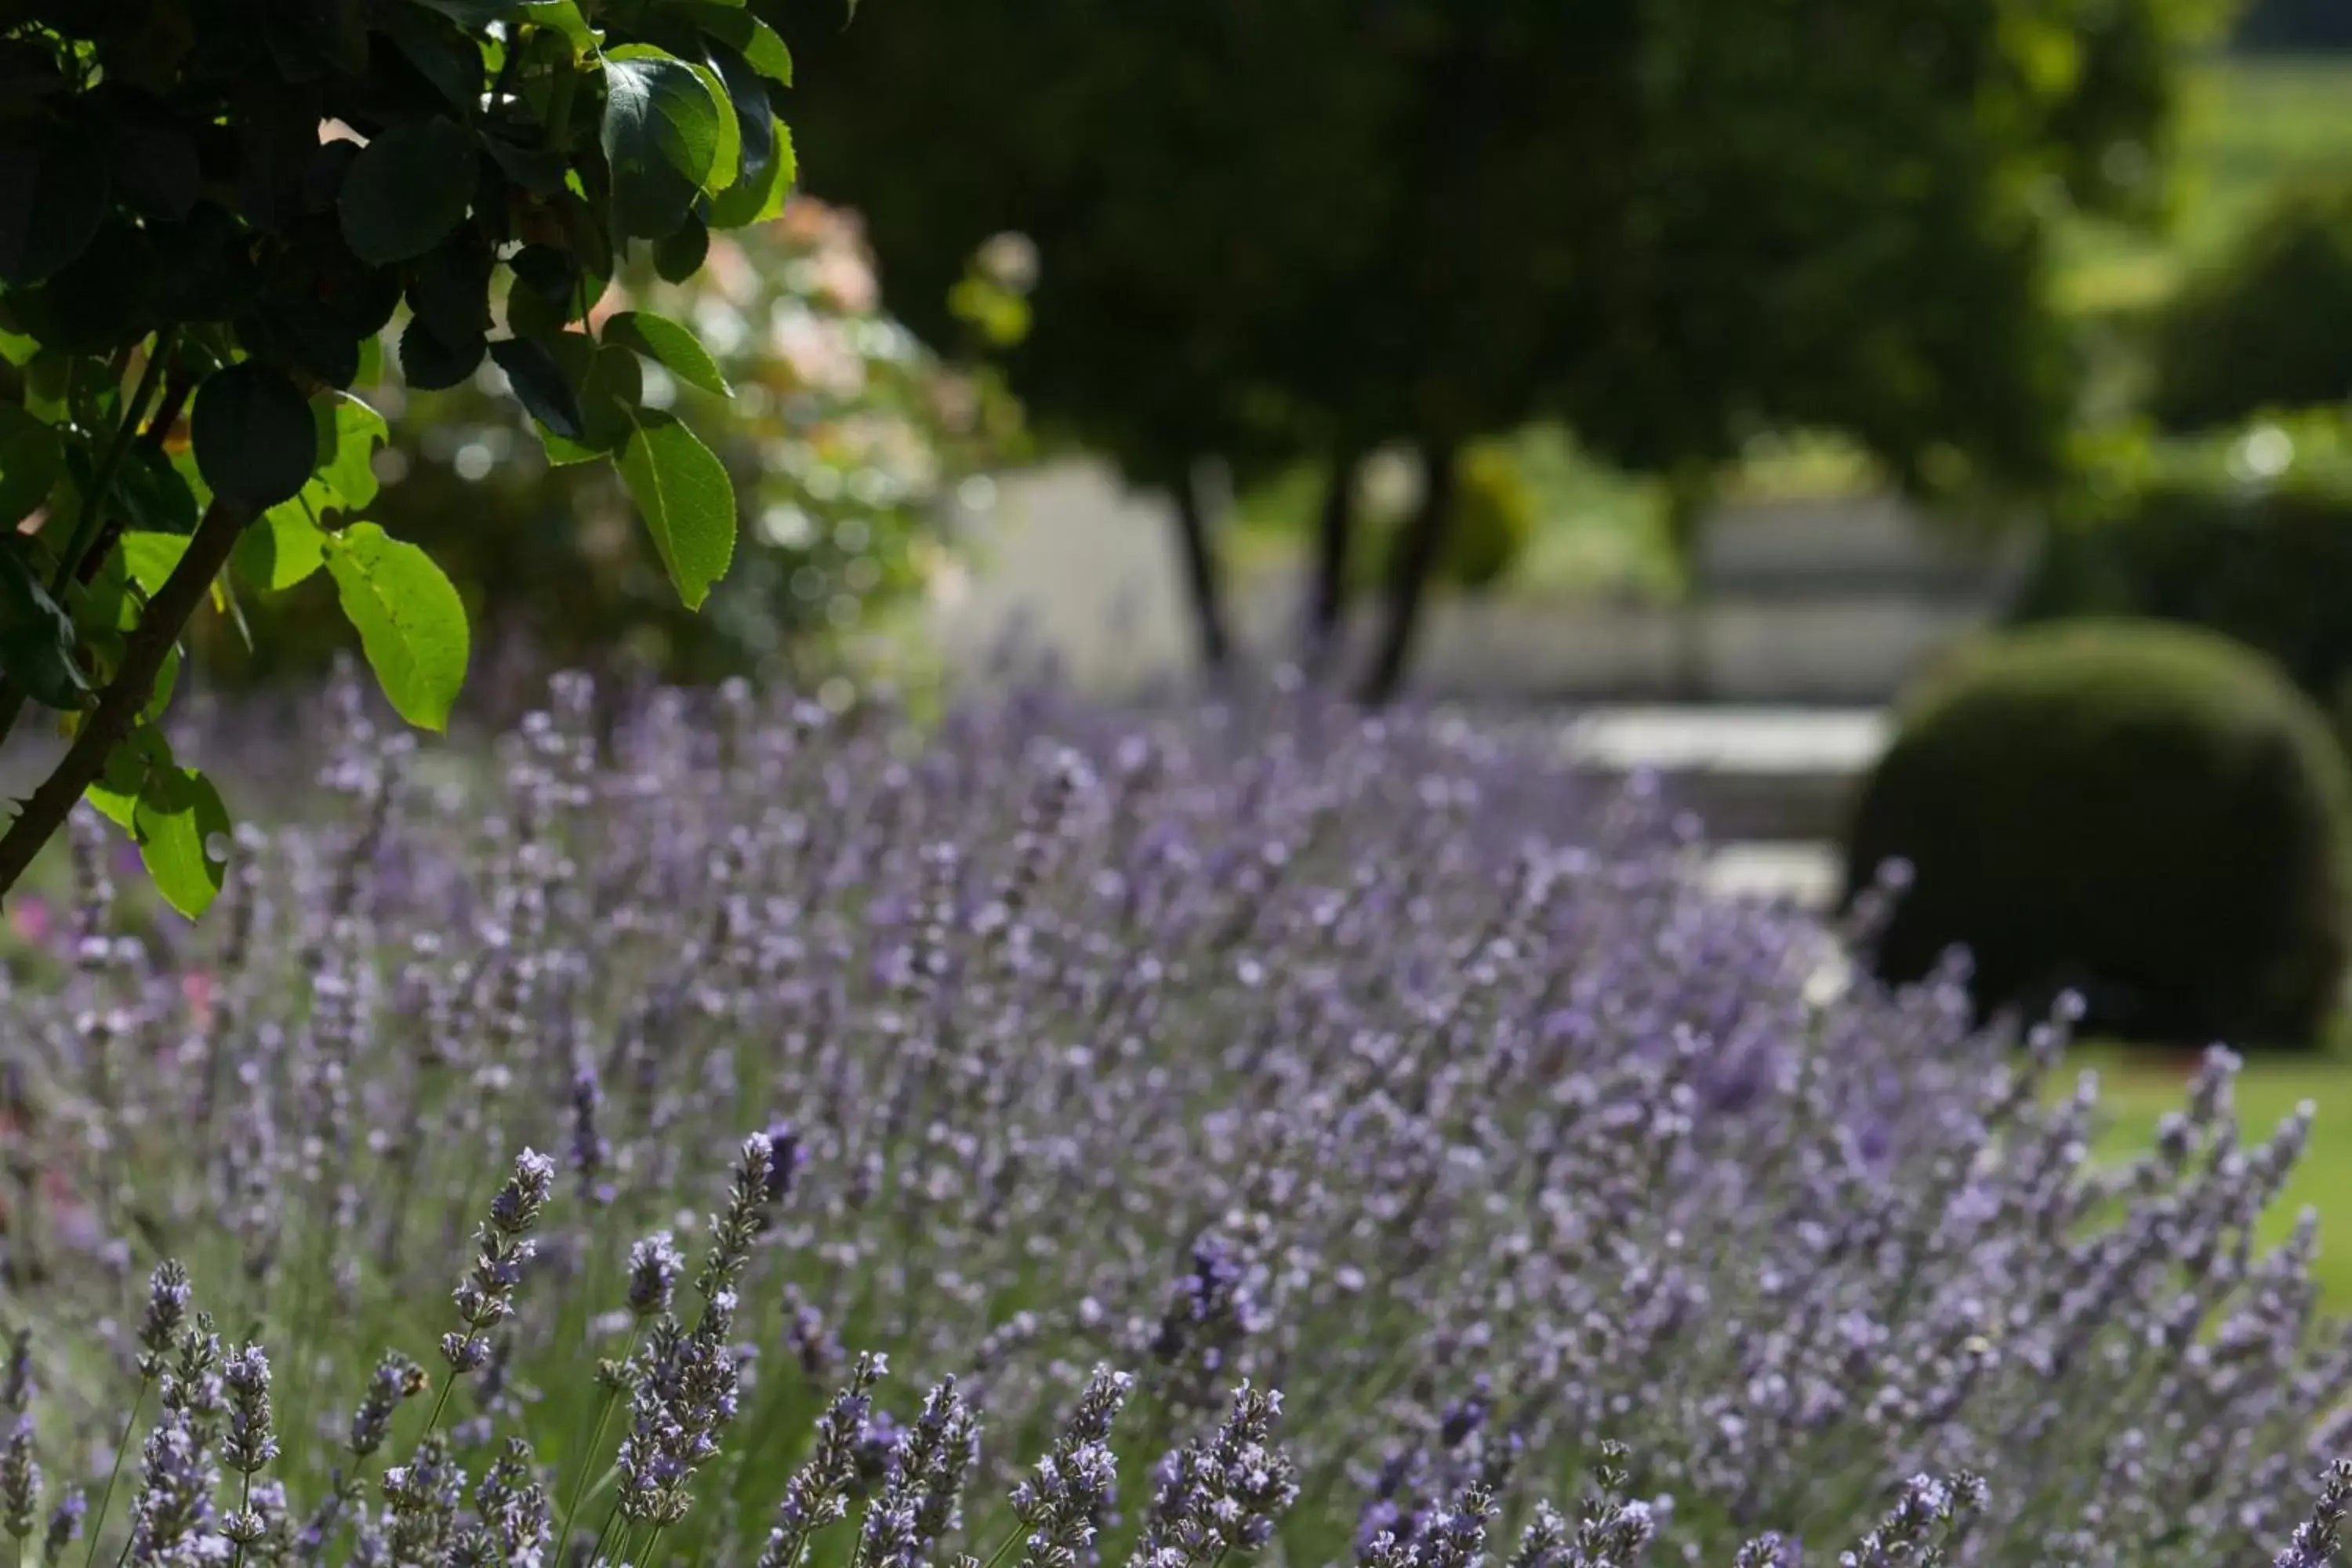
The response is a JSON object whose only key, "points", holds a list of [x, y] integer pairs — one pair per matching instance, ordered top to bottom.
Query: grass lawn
{"points": [[2135, 1091]]}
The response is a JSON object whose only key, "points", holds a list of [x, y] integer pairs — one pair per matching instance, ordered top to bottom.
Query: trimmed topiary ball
{"points": [[2149, 814]]}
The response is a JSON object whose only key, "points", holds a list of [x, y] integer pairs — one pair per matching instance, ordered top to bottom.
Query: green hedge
{"points": [[2270, 326], [2269, 565], [2149, 814]]}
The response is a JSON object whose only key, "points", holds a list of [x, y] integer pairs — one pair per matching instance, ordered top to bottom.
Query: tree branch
{"points": [[117, 708]]}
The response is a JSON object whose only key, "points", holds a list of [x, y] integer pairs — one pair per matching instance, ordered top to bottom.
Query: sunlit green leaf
{"points": [[727, 151], [669, 345], [349, 434], [689, 504], [280, 550], [150, 559], [412, 624], [179, 823]]}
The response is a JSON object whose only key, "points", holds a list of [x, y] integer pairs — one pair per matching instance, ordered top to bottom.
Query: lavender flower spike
{"points": [[655, 1265], [168, 1292], [485, 1297], [251, 1442], [20, 1480], [818, 1493], [1064, 1497], [172, 1520], [2319, 1539]]}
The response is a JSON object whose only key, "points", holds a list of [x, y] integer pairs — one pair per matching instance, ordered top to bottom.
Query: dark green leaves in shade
{"points": [[661, 137], [409, 188], [255, 438], [37, 636]]}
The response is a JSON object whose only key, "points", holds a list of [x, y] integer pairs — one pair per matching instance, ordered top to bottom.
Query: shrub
{"points": [[2271, 325], [2247, 532], [2149, 814], [1387, 1064]]}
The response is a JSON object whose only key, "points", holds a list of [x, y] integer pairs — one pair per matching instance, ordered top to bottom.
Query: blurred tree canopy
{"points": [[1270, 227]]}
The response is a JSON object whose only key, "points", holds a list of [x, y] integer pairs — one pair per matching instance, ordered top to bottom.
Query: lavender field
{"points": [[1060, 1137]]}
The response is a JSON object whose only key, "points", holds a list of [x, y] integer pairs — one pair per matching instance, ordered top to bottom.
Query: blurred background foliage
{"points": [[1308, 232], [1784, 251], [2074, 251], [845, 434]]}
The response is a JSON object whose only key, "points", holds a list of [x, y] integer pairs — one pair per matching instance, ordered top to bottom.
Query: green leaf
{"points": [[472, 13], [563, 17], [748, 35], [755, 117], [660, 136], [726, 151], [539, 170], [408, 189], [53, 196], [756, 201], [678, 255], [449, 288], [544, 293], [669, 345], [428, 364], [611, 383], [540, 385], [349, 433], [253, 435], [32, 460], [183, 463], [154, 494], [687, 502], [281, 550], [149, 558], [412, 624], [37, 636], [167, 681], [136, 758], [112, 803], [179, 822]]}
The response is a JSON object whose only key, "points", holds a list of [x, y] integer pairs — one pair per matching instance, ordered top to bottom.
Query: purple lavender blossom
{"points": [[1389, 1061], [654, 1264], [20, 1480], [2318, 1539]]}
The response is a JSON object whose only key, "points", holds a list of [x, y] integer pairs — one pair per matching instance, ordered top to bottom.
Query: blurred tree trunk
{"points": [[1201, 506], [1409, 570], [1327, 603]]}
